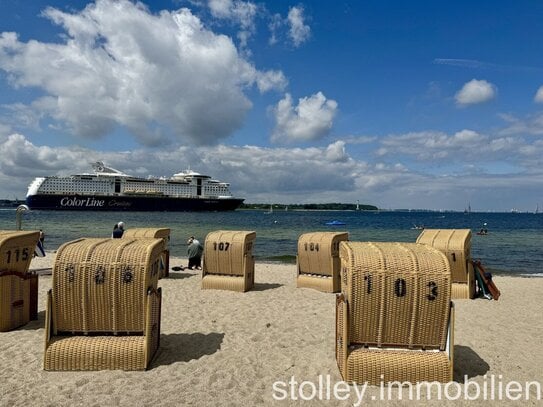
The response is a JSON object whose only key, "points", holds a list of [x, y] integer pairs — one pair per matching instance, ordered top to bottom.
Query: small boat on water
{"points": [[335, 223]]}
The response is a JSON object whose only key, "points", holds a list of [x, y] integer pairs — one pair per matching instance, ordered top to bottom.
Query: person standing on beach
{"points": [[118, 230], [39, 251], [194, 252]]}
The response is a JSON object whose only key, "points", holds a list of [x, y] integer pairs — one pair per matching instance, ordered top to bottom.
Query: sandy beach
{"points": [[274, 345]]}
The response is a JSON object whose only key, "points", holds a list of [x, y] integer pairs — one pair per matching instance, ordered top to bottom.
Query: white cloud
{"points": [[239, 12], [276, 22], [299, 32], [159, 75], [271, 80], [475, 91], [539, 95], [311, 119], [530, 125], [459, 149], [335, 152], [252, 171], [296, 175]]}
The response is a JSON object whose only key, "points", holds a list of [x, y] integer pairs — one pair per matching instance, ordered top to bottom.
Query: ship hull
{"points": [[130, 203]]}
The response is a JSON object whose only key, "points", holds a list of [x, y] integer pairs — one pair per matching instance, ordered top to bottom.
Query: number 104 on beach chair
{"points": [[318, 261]]}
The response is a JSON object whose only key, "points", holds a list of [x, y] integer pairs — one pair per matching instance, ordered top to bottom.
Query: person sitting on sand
{"points": [[194, 252]]}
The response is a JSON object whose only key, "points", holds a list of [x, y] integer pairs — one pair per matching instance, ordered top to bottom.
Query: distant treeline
{"points": [[10, 203], [313, 206]]}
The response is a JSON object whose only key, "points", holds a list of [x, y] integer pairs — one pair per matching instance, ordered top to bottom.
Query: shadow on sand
{"points": [[180, 276], [265, 286], [35, 324], [186, 347], [468, 363]]}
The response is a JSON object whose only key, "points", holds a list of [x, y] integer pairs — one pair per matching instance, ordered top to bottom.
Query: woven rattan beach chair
{"points": [[160, 233], [456, 244], [228, 261], [318, 261], [18, 287], [103, 311], [394, 317]]}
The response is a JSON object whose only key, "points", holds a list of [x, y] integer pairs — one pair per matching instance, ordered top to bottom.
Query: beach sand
{"points": [[227, 348]]}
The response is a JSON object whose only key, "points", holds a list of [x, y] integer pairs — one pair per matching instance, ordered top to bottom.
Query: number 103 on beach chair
{"points": [[394, 317]]}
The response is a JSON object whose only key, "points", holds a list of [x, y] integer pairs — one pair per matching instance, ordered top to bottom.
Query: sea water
{"points": [[513, 243]]}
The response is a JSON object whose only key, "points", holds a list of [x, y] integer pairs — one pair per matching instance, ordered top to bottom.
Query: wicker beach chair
{"points": [[160, 233], [456, 244], [228, 261], [318, 261], [18, 287], [103, 311], [394, 317]]}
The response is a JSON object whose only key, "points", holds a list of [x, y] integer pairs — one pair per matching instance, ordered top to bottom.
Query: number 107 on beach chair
{"points": [[228, 261], [394, 318]]}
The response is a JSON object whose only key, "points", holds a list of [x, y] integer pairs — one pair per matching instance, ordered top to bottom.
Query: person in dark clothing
{"points": [[118, 230], [194, 252]]}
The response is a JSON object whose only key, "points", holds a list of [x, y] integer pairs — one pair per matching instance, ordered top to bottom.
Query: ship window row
{"points": [[68, 185], [91, 186]]}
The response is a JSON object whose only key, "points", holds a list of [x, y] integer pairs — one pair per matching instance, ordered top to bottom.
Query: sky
{"points": [[422, 104]]}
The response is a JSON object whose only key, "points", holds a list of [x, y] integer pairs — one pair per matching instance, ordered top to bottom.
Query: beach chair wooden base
{"points": [[229, 283], [326, 284], [462, 291], [18, 299], [68, 352], [376, 366]]}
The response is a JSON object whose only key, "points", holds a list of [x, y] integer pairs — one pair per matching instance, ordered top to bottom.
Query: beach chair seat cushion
{"points": [[96, 353], [374, 365]]}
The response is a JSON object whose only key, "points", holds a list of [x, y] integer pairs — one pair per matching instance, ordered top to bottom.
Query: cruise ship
{"points": [[108, 189]]}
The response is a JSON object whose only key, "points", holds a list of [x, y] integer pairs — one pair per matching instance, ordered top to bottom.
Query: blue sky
{"points": [[398, 104]]}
